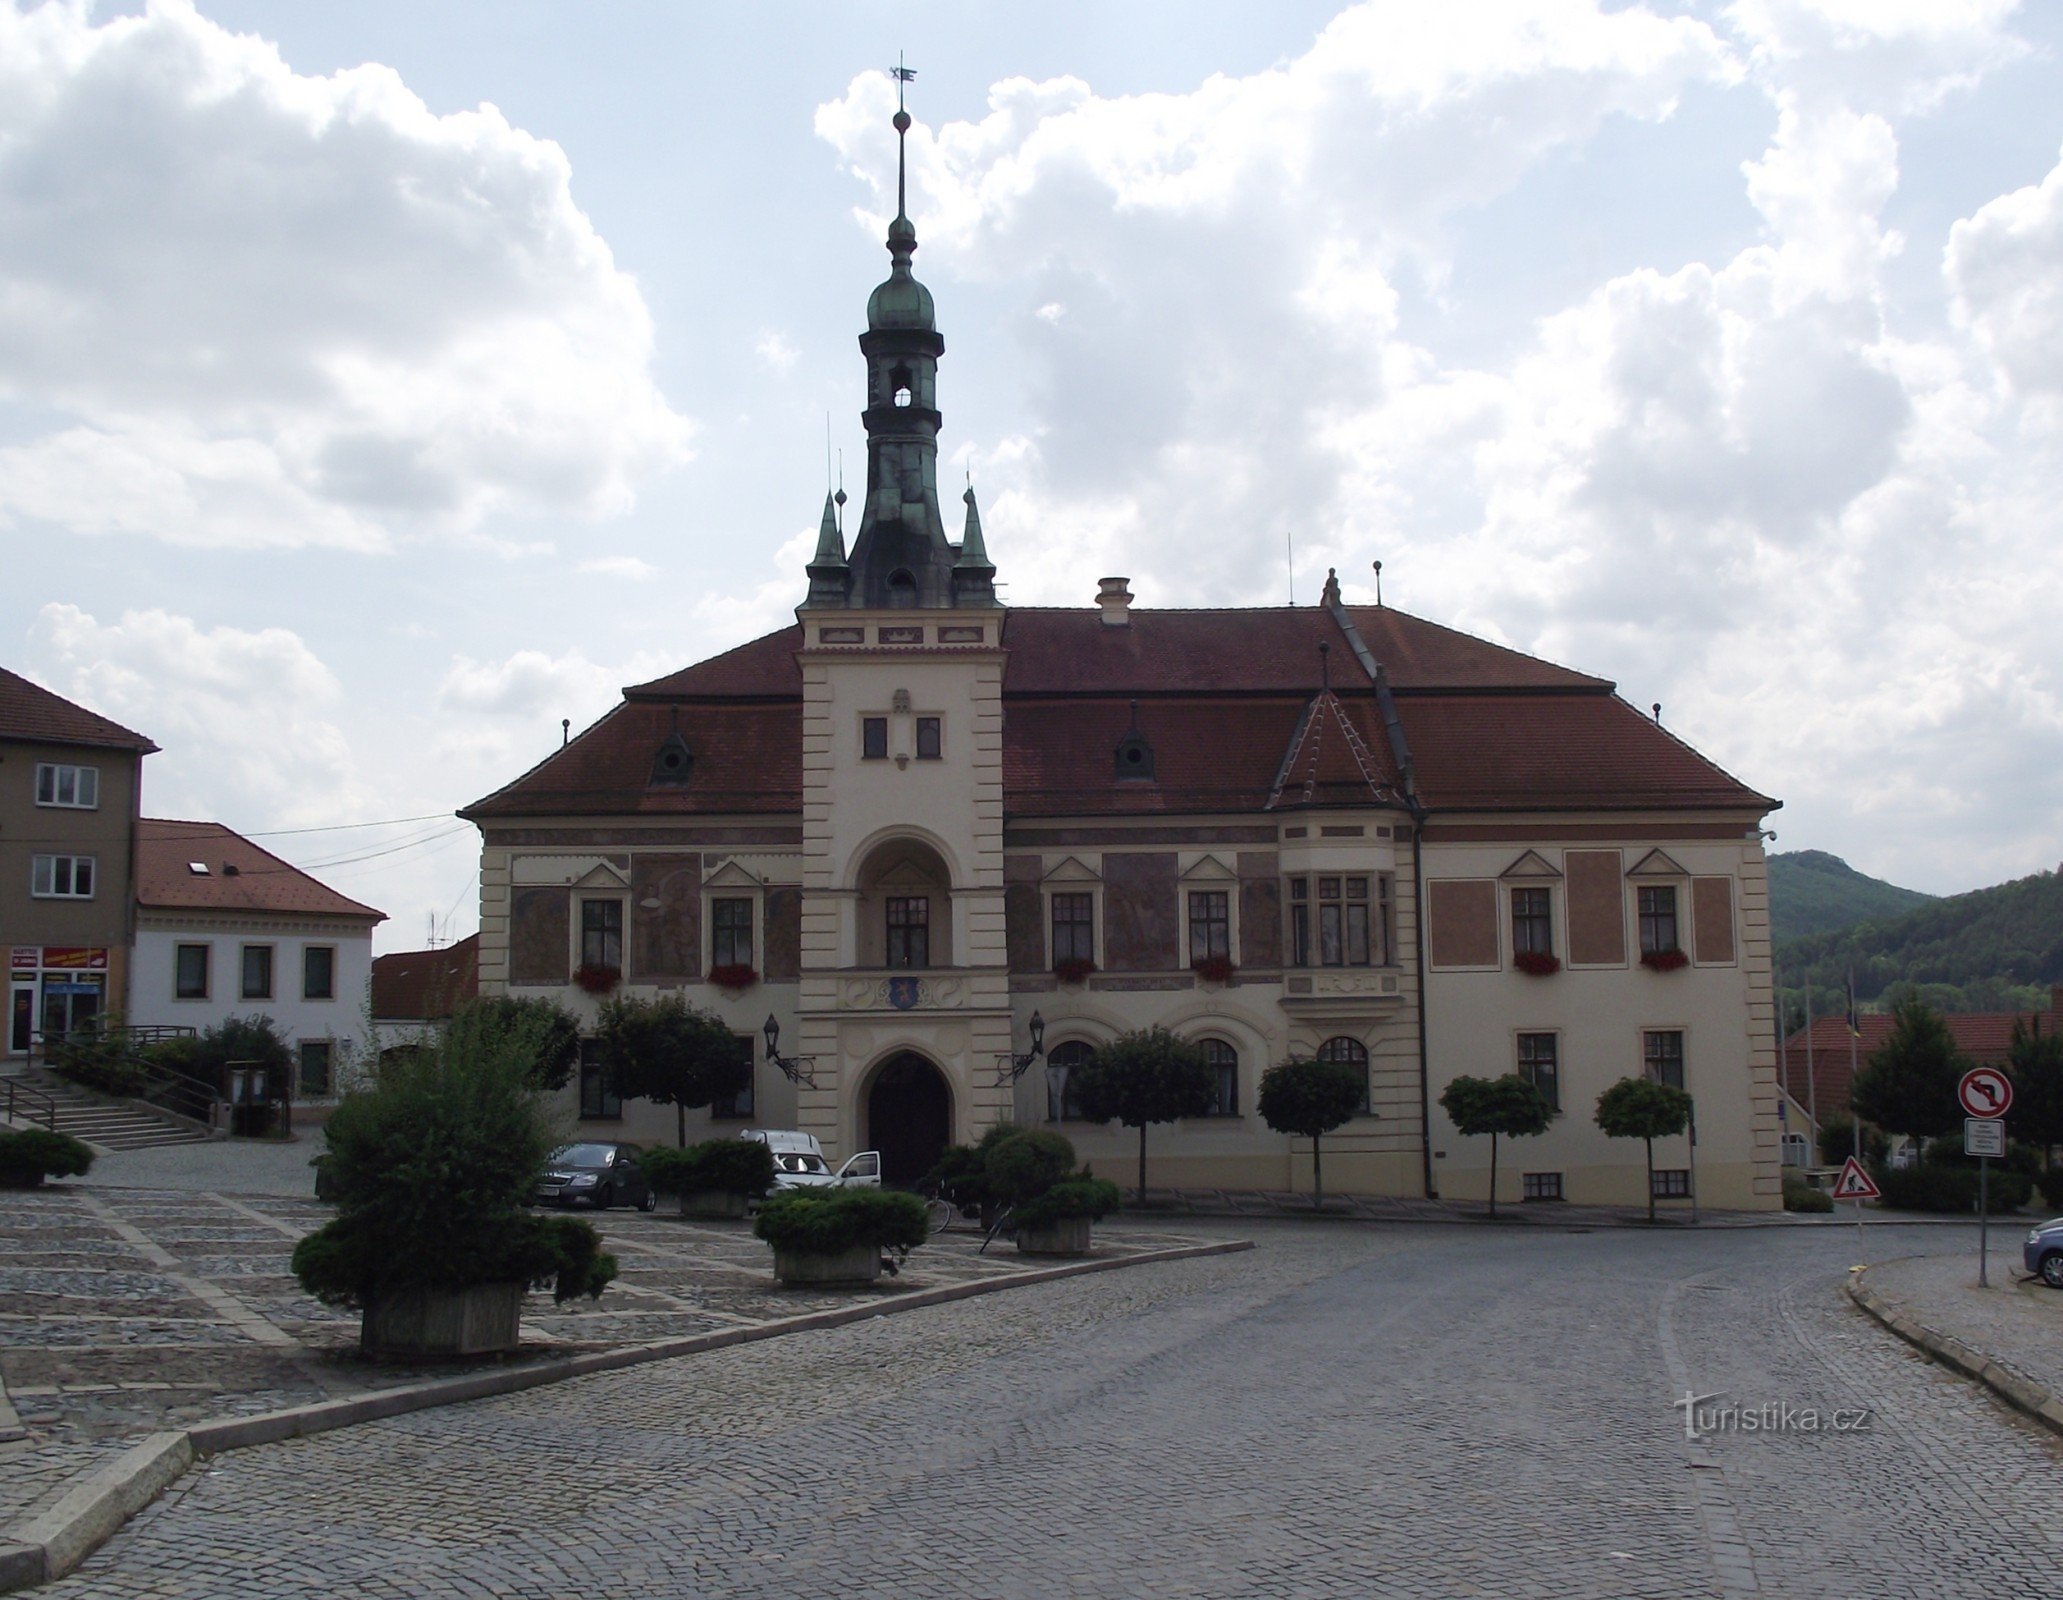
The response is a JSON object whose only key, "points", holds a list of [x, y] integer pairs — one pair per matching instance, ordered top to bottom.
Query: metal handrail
{"points": [[19, 1092]]}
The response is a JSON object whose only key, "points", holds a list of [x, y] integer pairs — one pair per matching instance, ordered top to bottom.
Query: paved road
{"points": [[1423, 1412]]}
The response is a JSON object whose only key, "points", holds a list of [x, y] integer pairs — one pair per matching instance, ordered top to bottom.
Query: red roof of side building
{"points": [[1222, 696], [29, 711], [238, 875], [425, 985], [1824, 1048]]}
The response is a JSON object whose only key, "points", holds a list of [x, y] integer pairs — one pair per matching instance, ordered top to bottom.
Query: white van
{"points": [[799, 1162]]}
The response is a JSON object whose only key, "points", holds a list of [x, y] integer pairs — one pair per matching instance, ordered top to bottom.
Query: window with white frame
{"points": [[60, 784], [61, 877], [1339, 919], [1657, 919], [1210, 925], [1532, 925], [1074, 926], [730, 931], [601, 933], [190, 972], [256, 973], [1352, 1052], [1661, 1055], [1061, 1060], [1223, 1062], [1540, 1065], [738, 1107], [1671, 1183], [1542, 1186]]}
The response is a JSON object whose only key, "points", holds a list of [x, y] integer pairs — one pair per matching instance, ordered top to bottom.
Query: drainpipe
{"points": [[1425, 1101]]}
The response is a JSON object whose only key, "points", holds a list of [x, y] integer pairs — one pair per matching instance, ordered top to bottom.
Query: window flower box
{"points": [[1664, 960], [1538, 963], [1214, 969], [1073, 970], [734, 976], [597, 977]]}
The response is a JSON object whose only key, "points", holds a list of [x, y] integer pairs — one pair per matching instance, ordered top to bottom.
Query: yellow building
{"points": [[917, 819]]}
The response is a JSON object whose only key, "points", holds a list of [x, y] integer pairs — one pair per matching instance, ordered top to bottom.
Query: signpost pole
{"points": [[1983, 1219]]}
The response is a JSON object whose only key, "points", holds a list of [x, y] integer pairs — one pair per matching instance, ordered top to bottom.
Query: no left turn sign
{"points": [[1985, 1092]]}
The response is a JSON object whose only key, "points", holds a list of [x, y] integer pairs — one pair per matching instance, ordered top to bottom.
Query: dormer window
{"points": [[1134, 756], [670, 768]]}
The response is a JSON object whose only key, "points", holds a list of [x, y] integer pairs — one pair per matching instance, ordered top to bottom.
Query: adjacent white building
{"points": [[225, 928]]}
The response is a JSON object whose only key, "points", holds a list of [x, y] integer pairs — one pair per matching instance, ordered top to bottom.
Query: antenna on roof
{"points": [[838, 499], [1289, 556], [1378, 583], [1657, 709], [565, 731]]}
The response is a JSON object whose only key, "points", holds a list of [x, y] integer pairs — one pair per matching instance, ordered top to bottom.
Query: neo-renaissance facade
{"points": [[918, 819]]}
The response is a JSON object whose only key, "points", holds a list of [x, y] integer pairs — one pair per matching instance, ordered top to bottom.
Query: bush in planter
{"points": [[1664, 960], [1074, 969], [96, 1058], [29, 1155], [431, 1166], [1023, 1166], [740, 1167], [961, 1174], [1080, 1196], [829, 1222]]}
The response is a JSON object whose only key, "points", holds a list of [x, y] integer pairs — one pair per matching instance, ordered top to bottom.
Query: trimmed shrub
{"points": [[95, 1058], [29, 1155], [1025, 1165], [722, 1166], [431, 1168], [961, 1174], [1950, 1190], [1801, 1196], [1094, 1198], [829, 1222]]}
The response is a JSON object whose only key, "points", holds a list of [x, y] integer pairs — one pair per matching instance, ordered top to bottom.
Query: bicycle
{"points": [[939, 1213]]}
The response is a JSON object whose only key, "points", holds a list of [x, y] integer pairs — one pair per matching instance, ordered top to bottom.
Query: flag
{"points": [[1854, 1024]]}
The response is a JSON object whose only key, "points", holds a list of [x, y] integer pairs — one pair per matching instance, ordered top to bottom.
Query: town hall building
{"points": [[925, 851]]}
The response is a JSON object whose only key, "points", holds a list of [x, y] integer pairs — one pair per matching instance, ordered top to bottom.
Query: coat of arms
{"points": [[902, 993]]}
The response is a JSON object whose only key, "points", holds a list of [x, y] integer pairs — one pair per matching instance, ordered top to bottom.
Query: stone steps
{"points": [[107, 1122]]}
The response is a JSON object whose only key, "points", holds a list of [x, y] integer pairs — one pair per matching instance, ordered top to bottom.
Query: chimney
{"points": [[1116, 601]]}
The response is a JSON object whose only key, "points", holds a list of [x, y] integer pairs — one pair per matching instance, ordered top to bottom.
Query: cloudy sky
{"points": [[381, 384]]}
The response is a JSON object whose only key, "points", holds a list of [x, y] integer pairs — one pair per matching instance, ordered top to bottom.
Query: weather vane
{"points": [[903, 75]]}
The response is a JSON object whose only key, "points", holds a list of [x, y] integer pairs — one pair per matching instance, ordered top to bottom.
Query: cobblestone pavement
{"points": [[126, 1311], [2016, 1320], [1413, 1411]]}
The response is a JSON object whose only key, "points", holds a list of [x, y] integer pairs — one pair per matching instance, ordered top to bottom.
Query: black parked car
{"points": [[598, 1175]]}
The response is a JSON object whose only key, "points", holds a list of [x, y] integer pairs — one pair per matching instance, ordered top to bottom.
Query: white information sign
{"points": [[1984, 1136]]}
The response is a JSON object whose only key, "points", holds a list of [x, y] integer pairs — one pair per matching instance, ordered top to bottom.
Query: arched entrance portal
{"points": [[909, 1117]]}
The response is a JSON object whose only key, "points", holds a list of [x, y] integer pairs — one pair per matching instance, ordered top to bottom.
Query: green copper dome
{"points": [[901, 302]]}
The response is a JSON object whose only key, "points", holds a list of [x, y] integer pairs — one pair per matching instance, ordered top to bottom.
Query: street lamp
{"points": [[798, 1069]]}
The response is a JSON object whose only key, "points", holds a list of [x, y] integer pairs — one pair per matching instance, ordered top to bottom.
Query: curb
{"points": [[2020, 1392], [53, 1543]]}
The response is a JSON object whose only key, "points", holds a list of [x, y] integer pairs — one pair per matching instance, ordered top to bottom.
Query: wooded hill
{"points": [[1812, 892], [1996, 949]]}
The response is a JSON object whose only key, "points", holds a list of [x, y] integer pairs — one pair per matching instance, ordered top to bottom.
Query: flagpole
{"points": [[1854, 1121]]}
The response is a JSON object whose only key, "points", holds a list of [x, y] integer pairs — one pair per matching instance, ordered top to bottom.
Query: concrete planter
{"points": [[714, 1204], [1067, 1237], [848, 1269], [480, 1319]]}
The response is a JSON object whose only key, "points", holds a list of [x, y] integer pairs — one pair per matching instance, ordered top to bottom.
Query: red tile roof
{"points": [[1223, 694], [29, 711], [1556, 752], [240, 876], [425, 985], [1983, 1036]]}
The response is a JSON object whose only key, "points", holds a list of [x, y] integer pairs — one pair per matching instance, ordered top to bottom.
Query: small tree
{"points": [[555, 1030], [666, 1050], [2035, 1061], [1145, 1076], [1908, 1085], [1310, 1099], [1508, 1106], [1640, 1108]]}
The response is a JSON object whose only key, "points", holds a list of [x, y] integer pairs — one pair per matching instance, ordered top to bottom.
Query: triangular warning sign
{"points": [[1854, 1183]]}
